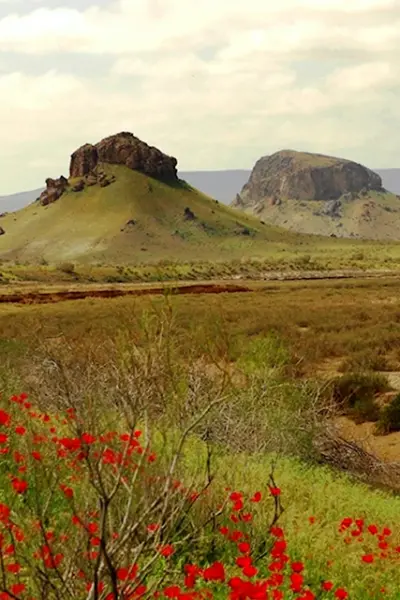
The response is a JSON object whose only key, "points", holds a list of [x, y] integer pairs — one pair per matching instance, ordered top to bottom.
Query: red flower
{"points": [[5, 418], [20, 430], [3, 438], [87, 438], [71, 444], [20, 486], [275, 491], [68, 492], [256, 498], [4, 512], [92, 527], [373, 529], [244, 547], [166, 551], [368, 558], [297, 567], [13, 568], [250, 571], [215, 572], [125, 573], [296, 582], [327, 586], [17, 588], [173, 591], [341, 594]]}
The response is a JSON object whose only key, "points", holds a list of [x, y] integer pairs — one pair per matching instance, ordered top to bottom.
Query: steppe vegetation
{"points": [[177, 446]]}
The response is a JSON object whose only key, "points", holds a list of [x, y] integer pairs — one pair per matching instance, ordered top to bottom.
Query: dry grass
{"points": [[352, 325]]}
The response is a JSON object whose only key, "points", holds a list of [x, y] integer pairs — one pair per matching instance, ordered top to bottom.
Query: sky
{"points": [[216, 83]]}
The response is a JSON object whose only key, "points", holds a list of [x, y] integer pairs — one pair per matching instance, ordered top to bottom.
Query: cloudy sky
{"points": [[216, 83]]}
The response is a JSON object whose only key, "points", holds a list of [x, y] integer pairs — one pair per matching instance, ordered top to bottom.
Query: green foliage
{"points": [[67, 267], [264, 354], [355, 393], [389, 419]]}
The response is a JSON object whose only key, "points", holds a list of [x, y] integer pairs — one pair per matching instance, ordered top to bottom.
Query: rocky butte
{"points": [[86, 165], [288, 174], [319, 194]]}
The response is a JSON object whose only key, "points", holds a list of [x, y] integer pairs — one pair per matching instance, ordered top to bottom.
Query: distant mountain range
{"points": [[221, 185]]}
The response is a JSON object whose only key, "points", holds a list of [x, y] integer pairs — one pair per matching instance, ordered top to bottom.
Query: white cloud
{"points": [[138, 25], [249, 97]]}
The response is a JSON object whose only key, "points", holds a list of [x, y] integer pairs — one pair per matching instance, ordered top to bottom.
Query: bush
{"points": [[67, 267], [355, 394], [389, 420]]}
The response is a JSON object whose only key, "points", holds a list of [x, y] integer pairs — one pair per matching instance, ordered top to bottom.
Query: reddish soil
{"points": [[62, 295]]}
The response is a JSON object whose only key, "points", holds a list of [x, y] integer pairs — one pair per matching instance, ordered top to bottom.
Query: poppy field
{"points": [[106, 515]]}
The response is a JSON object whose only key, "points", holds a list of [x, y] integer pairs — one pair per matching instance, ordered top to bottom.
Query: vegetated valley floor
{"points": [[328, 326]]}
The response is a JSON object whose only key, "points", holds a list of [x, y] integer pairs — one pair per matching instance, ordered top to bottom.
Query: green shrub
{"points": [[67, 267], [365, 360], [355, 393], [389, 420]]}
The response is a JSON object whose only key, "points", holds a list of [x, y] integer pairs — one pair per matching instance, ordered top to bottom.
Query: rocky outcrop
{"points": [[124, 149], [83, 161], [294, 175], [54, 189], [188, 214], [2, 231]]}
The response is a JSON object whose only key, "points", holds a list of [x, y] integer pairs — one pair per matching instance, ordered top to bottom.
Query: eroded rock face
{"points": [[120, 149], [123, 149], [83, 161], [303, 176], [54, 189]]}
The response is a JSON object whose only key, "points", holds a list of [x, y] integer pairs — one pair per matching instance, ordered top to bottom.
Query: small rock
{"points": [[91, 179], [79, 186], [54, 190], [189, 214], [2, 231]]}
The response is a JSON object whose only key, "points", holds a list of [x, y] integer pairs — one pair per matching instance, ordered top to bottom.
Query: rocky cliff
{"points": [[124, 149], [86, 165], [304, 176]]}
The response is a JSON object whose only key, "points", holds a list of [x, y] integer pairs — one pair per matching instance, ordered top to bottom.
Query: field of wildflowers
{"points": [[117, 513]]}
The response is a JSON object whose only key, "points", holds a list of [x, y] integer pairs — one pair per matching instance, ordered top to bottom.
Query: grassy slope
{"points": [[376, 216], [91, 225], [306, 490]]}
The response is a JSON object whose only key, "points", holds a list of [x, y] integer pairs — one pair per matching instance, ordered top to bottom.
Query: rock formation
{"points": [[123, 149], [86, 165], [303, 176], [54, 189], [2, 232]]}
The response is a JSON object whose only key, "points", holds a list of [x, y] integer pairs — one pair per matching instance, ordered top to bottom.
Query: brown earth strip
{"points": [[60, 296]]}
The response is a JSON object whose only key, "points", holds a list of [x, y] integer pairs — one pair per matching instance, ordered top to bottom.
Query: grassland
{"points": [[374, 216], [129, 219], [136, 229], [352, 323], [257, 355]]}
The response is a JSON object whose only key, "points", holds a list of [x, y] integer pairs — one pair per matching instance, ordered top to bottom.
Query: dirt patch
{"points": [[63, 295], [385, 447]]}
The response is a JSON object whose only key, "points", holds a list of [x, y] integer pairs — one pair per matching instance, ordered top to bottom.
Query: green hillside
{"points": [[135, 218]]}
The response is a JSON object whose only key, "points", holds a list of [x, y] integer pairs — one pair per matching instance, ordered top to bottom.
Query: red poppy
{"points": [[5, 418], [20, 486], [166, 551], [215, 572]]}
